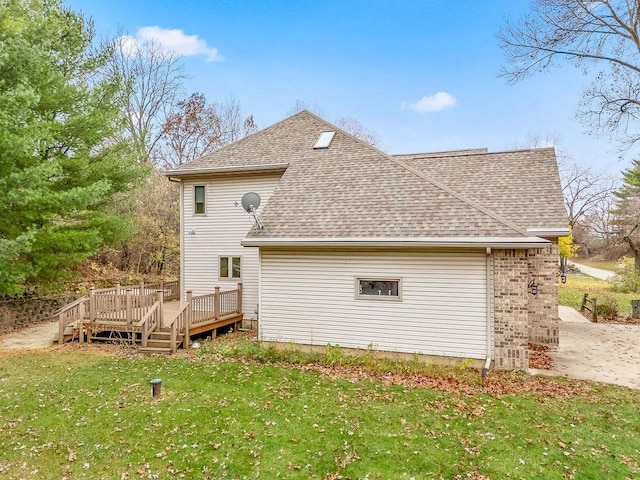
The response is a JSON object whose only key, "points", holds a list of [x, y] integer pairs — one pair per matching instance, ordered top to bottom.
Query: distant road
{"points": [[595, 272]]}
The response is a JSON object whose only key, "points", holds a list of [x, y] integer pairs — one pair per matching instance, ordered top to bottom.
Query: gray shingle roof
{"points": [[522, 186], [352, 190]]}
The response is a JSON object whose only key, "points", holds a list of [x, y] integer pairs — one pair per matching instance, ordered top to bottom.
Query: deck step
{"points": [[155, 350]]}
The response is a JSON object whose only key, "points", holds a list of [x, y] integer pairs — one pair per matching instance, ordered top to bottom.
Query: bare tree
{"points": [[603, 34], [151, 80], [348, 124], [197, 128], [358, 130], [585, 191]]}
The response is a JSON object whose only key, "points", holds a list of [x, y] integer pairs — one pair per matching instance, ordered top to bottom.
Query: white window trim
{"points": [[205, 201], [230, 267], [386, 298]]}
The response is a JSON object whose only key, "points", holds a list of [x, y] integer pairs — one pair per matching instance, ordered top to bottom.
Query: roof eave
{"points": [[233, 169], [407, 242]]}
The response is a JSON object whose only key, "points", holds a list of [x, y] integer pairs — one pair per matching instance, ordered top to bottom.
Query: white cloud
{"points": [[171, 39], [432, 103]]}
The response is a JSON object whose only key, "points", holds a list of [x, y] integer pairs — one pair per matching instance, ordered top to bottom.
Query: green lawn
{"points": [[571, 293], [83, 414]]}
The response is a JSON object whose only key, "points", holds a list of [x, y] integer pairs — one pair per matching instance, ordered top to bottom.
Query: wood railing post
{"points": [[141, 287], [162, 288], [178, 289], [160, 298], [92, 303], [117, 303], [216, 304], [129, 307], [239, 309], [187, 320], [61, 327]]}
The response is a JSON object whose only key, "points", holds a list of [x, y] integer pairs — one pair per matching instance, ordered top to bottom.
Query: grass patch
{"points": [[572, 292], [82, 414]]}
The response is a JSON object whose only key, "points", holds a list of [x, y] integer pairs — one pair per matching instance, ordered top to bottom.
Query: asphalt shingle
{"points": [[354, 190]]}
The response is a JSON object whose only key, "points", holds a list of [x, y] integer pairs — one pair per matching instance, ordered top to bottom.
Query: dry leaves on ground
{"points": [[539, 358]]}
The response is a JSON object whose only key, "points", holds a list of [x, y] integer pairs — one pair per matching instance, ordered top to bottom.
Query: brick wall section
{"points": [[543, 307], [511, 309], [20, 313]]}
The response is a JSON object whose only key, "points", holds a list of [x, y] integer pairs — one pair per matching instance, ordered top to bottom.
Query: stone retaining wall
{"points": [[18, 313]]}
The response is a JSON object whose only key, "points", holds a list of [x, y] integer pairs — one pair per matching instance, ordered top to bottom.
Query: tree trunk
{"points": [[636, 253]]}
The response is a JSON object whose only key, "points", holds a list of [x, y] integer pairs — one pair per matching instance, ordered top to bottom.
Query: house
{"points": [[449, 254]]}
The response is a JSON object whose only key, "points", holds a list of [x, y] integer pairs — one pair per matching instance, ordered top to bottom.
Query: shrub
{"points": [[627, 280], [608, 306]]}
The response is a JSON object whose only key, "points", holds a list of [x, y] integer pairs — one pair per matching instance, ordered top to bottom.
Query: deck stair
{"points": [[135, 315], [160, 342]]}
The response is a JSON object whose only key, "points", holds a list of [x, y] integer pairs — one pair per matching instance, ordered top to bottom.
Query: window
{"points": [[198, 199], [230, 267], [379, 288]]}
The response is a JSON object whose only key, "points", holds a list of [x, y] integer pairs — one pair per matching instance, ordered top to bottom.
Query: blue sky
{"points": [[422, 73]]}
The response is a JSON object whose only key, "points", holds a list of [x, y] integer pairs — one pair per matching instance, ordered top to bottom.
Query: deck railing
{"points": [[129, 304], [204, 309], [69, 314], [151, 321]]}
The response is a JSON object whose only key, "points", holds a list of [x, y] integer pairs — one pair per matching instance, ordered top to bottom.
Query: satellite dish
{"points": [[250, 202]]}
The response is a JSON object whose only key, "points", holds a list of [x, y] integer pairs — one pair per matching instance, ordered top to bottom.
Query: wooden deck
{"points": [[138, 316]]}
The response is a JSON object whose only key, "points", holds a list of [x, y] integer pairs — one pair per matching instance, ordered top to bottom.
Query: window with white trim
{"points": [[199, 200], [230, 267], [373, 288]]}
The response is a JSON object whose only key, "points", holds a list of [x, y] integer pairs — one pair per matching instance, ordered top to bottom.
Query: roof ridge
{"points": [[466, 153], [418, 173], [460, 197]]}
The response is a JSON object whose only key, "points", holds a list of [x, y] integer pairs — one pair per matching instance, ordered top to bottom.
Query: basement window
{"points": [[378, 288]]}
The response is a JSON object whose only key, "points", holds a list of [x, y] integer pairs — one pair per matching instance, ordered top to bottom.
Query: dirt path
{"points": [[39, 336]]}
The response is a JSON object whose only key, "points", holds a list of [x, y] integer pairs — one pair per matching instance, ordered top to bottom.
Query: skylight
{"points": [[324, 140]]}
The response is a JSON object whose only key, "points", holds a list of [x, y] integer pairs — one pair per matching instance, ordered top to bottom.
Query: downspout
{"points": [[487, 363]]}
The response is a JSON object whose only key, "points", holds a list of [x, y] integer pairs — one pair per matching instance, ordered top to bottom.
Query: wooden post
{"points": [[141, 288], [162, 288], [178, 289], [160, 298], [92, 303], [216, 304], [117, 305], [129, 308], [239, 309], [594, 313], [187, 320], [61, 327], [174, 337]]}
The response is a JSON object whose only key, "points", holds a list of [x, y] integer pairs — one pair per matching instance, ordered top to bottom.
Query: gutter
{"points": [[232, 169], [394, 242]]}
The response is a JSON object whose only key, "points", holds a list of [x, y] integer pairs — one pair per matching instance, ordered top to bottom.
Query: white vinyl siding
{"points": [[205, 238], [309, 299]]}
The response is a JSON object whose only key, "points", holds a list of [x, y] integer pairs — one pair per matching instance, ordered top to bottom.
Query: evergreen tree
{"points": [[60, 163], [627, 211]]}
